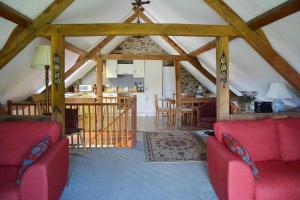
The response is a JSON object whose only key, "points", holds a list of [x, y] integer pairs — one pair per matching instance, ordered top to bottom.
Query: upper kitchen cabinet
{"points": [[125, 67], [138, 68], [111, 69]]}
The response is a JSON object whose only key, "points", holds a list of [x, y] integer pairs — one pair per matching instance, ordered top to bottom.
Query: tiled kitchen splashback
{"points": [[123, 81]]}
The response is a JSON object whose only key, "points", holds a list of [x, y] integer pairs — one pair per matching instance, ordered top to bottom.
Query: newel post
{"points": [[57, 79]]}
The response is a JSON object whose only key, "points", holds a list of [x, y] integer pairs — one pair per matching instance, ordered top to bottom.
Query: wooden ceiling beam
{"points": [[285, 9], [13, 15], [115, 29], [22, 36], [257, 43], [72, 48], [141, 57], [83, 59], [192, 60]]}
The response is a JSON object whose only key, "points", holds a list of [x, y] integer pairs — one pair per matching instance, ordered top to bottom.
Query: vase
{"points": [[250, 107]]}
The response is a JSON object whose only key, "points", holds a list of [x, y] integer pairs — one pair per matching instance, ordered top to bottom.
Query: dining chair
{"points": [[40, 104], [163, 110], [187, 112], [72, 129]]}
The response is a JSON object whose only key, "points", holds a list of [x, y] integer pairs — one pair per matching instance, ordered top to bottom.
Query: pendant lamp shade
{"points": [[41, 57]]}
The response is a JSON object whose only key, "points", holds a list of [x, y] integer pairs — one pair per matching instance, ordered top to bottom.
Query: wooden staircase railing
{"points": [[110, 122]]}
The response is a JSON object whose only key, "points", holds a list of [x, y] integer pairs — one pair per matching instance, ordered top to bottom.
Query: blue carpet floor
{"points": [[123, 174]]}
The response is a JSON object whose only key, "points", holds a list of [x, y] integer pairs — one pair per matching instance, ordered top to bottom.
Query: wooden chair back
{"points": [[156, 102], [40, 103]]}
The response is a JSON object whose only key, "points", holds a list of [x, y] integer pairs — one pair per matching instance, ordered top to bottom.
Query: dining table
{"points": [[195, 101], [186, 102]]}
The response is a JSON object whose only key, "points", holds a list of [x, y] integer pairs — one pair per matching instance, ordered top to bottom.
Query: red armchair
{"points": [[206, 115], [274, 145], [47, 177]]}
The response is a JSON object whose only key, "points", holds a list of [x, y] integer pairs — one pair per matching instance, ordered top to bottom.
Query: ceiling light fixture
{"points": [[139, 3]]}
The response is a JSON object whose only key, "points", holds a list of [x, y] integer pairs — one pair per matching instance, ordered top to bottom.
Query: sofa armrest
{"points": [[230, 176], [47, 177]]}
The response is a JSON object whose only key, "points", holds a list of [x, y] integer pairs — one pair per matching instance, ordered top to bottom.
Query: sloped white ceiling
{"points": [[29, 8], [248, 10], [95, 11], [6, 27], [284, 36], [248, 69], [18, 79]]}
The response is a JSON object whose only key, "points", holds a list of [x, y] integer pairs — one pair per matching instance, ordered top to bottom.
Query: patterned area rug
{"points": [[174, 147]]}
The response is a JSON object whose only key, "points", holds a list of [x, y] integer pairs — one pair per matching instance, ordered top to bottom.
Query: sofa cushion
{"points": [[259, 137], [17, 138], [289, 138], [236, 148], [36, 152], [278, 181], [8, 188]]}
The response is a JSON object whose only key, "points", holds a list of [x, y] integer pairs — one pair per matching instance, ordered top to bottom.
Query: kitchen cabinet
{"points": [[138, 68], [111, 69], [125, 69], [153, 84], [141, 103]]}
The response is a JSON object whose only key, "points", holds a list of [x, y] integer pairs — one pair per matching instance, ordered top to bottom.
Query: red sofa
{"points": [[274, 145], [47, 177]]}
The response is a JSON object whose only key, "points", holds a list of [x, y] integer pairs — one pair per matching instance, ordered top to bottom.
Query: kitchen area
{"points": [[121, 78]]}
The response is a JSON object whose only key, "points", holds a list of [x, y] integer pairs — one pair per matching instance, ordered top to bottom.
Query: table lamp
{"points": [[41, 60], [278, 91]]}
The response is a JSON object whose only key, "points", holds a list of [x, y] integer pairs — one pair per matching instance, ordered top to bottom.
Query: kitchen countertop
{"points": [[119, 92]]}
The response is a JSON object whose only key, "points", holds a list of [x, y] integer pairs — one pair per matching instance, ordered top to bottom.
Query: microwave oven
{"points": [[85, 88]]}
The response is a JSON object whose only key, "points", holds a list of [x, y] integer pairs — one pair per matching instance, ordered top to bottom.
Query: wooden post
{"points": [[222, 70], [99, 77], [57, 79], [99, 84], [178, 94], [133, 122]]}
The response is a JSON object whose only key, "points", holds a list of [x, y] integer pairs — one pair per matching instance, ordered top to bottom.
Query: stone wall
{"points": [[135, 45], [189, 84]]}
